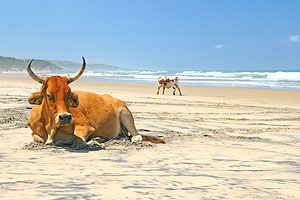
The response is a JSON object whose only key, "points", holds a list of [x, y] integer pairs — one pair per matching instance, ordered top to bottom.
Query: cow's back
{"points": [[99, 113]]}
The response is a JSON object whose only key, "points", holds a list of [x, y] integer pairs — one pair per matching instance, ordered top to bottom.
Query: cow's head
{"points": [[56, 95]]}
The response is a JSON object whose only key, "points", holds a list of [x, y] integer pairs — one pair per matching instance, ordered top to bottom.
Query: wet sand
{"points": [[222, 143]]}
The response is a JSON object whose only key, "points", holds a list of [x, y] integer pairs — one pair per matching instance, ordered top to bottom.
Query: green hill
{"points": [[12, 64], [72, 66]]}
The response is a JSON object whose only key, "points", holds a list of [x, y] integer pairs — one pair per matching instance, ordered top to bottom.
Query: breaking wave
{"points": [[252, 79], [255, 79]]}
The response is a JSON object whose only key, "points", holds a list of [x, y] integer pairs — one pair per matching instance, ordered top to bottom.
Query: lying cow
{"points": [[165, 82], [66, 117]]}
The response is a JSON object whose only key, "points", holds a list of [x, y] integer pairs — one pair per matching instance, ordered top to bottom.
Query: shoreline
{"points": [[216, 84], [252, 96]]}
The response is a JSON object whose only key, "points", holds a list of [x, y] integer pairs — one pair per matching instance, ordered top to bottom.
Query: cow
{"points": [[165, 82], [61, 116]]}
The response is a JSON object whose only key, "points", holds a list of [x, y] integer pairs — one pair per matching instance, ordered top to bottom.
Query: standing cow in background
{"points": [[165, 82]]}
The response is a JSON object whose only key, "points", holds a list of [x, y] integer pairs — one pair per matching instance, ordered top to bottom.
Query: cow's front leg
{"points": [[158, 88], [178, 89], [164, 90], [174, 90], [39, 133], [81, 134], [38, 138], [50, 138]]}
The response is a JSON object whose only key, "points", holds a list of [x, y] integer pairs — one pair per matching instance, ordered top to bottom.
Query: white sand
{"points": [[221, 144]]}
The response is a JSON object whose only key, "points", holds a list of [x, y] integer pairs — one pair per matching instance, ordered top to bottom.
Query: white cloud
{"points": [[294, 38], [219, 46]]}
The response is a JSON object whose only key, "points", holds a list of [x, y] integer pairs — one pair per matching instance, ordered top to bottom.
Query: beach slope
{"points": [[221, 143]]}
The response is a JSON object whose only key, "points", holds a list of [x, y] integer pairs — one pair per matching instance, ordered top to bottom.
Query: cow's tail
{"points": [[153, 139]]}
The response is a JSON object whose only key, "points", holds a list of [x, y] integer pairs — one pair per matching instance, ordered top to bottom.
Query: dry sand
{"points": [[222, 143]]}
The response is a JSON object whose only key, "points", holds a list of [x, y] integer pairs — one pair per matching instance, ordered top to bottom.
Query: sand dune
{"points": [[221, 144]]}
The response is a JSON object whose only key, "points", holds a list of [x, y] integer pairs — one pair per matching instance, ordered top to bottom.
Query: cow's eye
{"points": [[51, 97]]}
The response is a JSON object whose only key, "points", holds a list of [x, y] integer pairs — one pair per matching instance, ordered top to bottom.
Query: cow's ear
{"points": [[35, 98], [73, 100]]}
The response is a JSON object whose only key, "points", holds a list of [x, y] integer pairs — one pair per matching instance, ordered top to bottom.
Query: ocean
{"points": [[246, 79], [289, 80]]}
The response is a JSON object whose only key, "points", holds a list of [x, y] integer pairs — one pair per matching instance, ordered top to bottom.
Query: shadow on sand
{"points": [[95, 144]]}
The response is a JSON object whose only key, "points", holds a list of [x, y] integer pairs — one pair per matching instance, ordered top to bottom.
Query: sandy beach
{"points": [[222, 143]]}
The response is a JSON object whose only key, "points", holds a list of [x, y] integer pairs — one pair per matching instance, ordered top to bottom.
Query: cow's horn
{"points": [[78, 73], [33, 75]]}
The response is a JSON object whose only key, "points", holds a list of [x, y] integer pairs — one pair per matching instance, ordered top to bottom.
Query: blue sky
{"points": [[165, 34]]}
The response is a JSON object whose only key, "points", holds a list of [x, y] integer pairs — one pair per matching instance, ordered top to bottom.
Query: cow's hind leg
{"points": [[164, 90], [128, 122], [81, 134]]}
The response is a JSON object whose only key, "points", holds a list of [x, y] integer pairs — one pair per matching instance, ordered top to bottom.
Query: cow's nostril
{"points": [[61, 118]]}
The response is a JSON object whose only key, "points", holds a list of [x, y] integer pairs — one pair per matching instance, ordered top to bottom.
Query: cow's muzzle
{"points": [[64, 118]]}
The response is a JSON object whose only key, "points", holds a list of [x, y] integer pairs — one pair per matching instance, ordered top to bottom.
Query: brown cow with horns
{"points": [[65, 117]]}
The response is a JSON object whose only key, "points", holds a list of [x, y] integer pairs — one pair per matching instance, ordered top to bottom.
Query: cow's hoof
{"points": [[136, 139], [49, 141], [93, 142]]}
